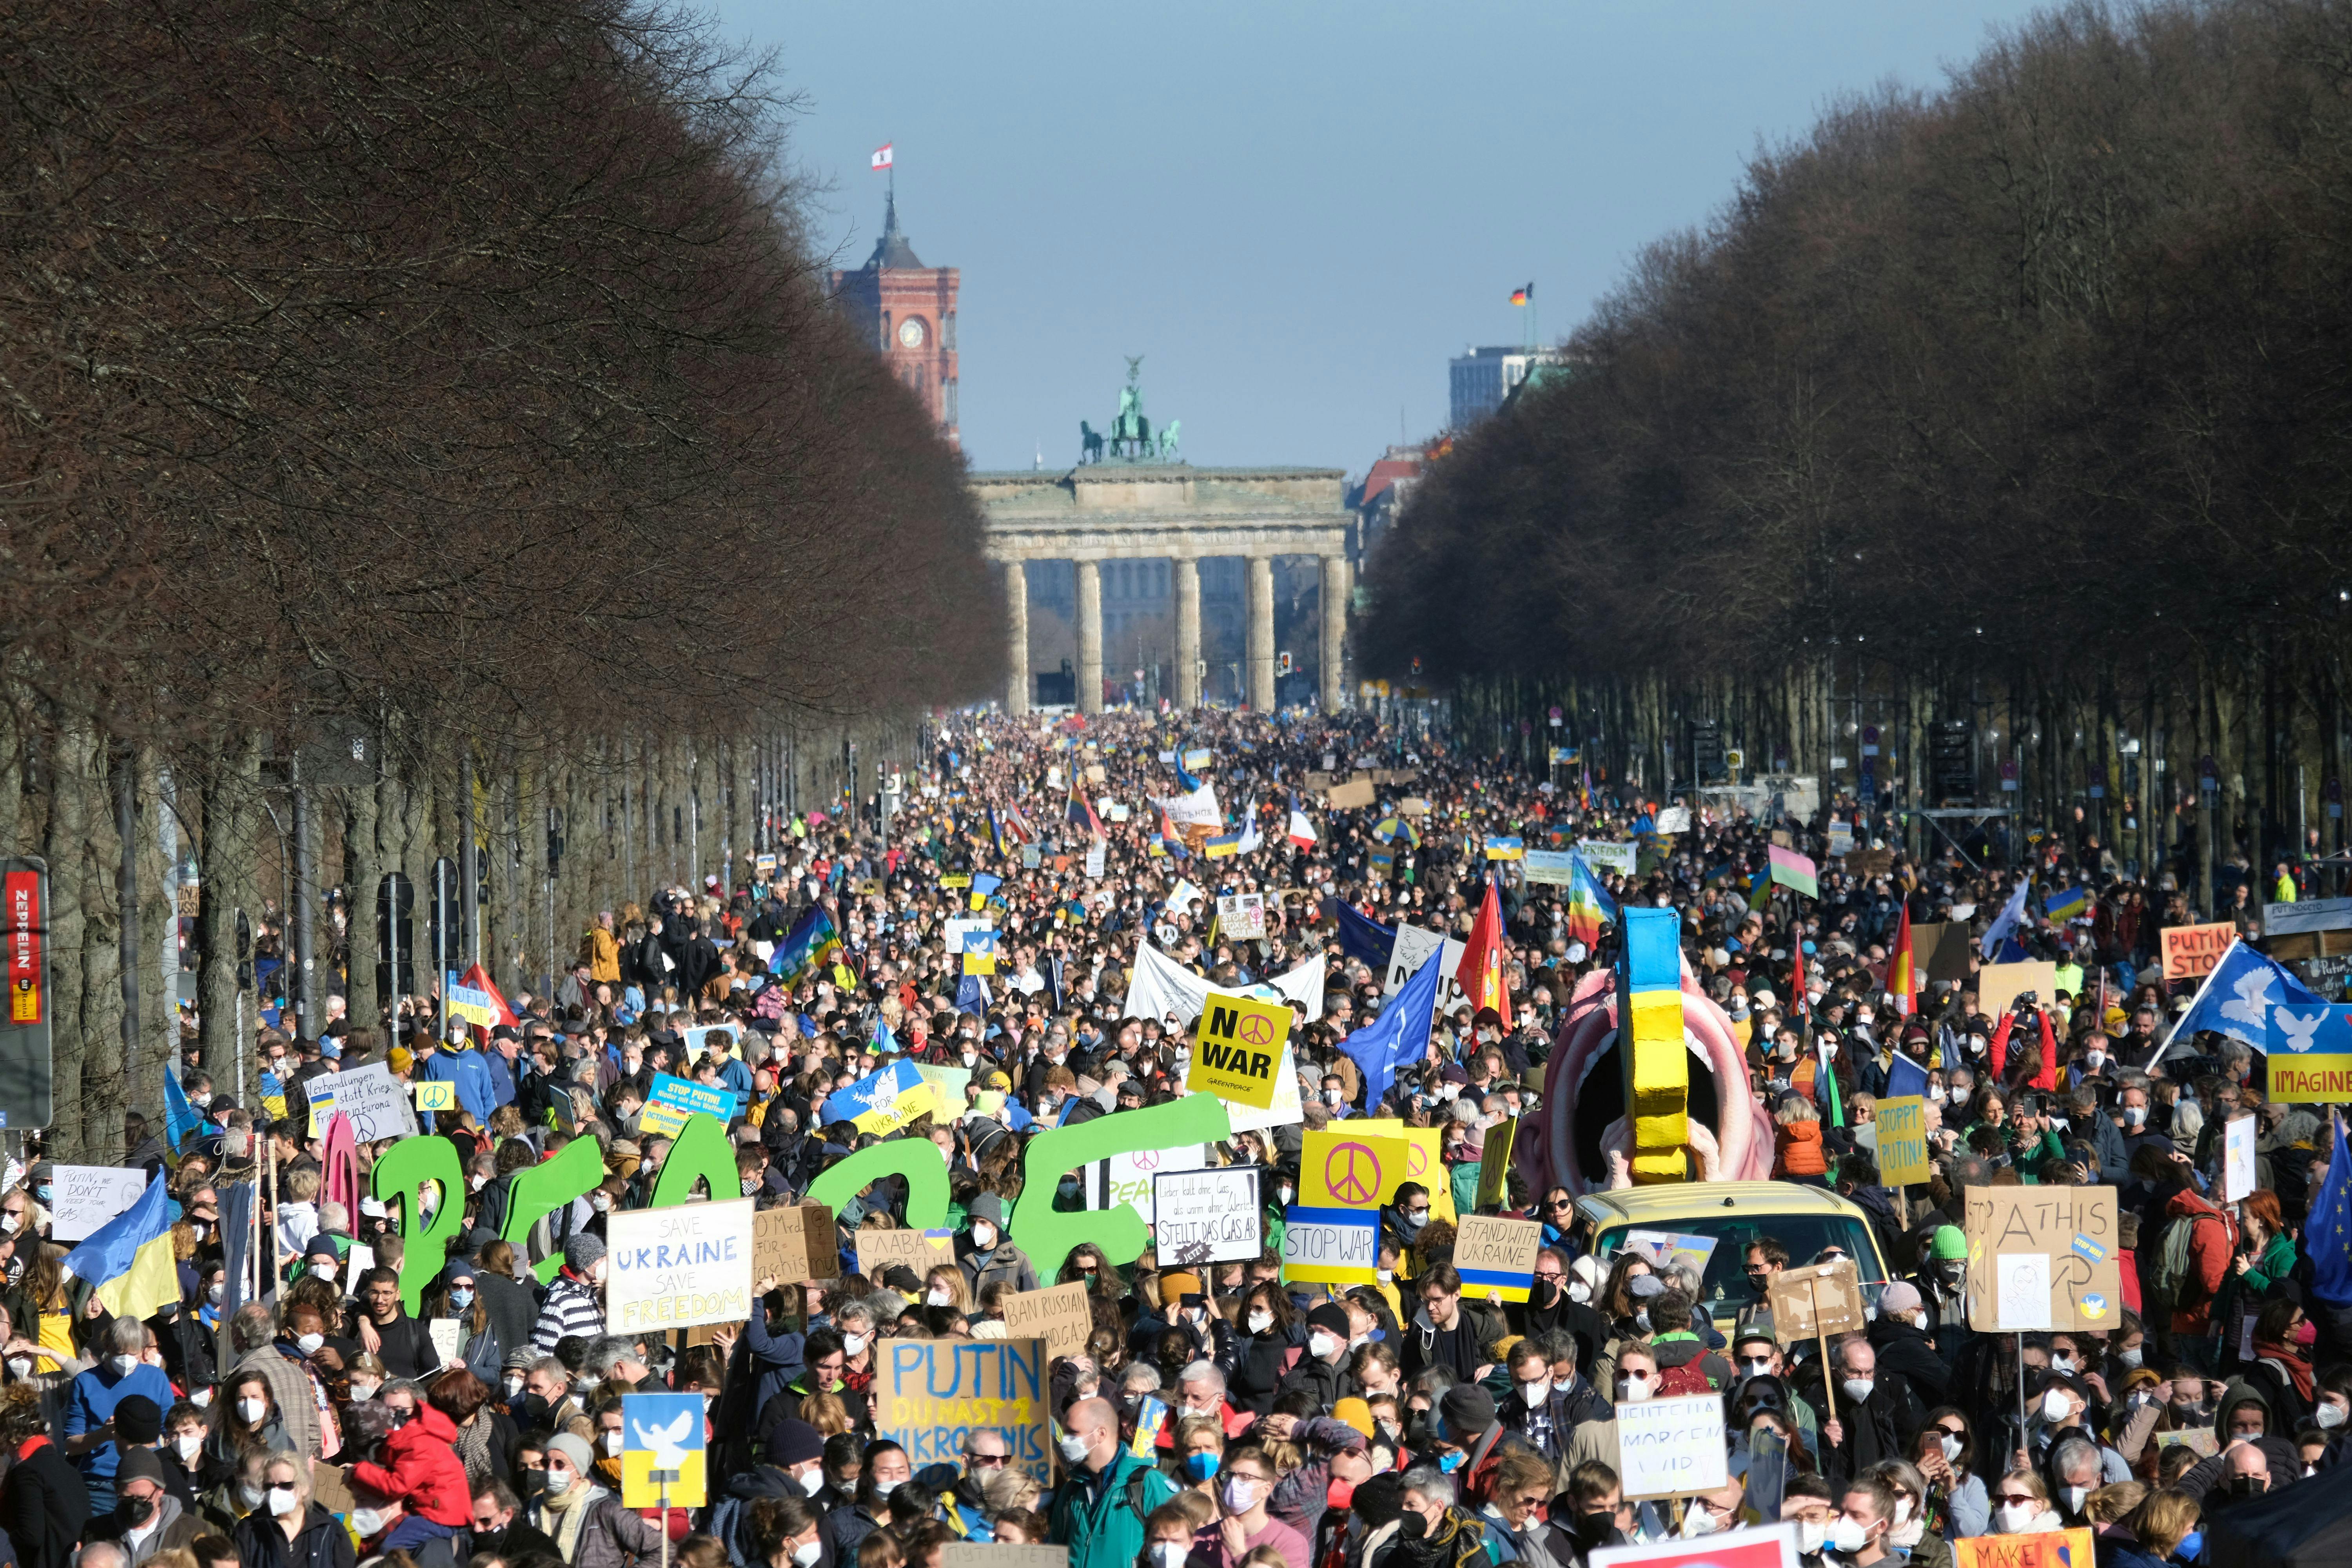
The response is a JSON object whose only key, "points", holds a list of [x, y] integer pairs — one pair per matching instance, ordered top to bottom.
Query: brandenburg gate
{"points": [[1133, 499]]}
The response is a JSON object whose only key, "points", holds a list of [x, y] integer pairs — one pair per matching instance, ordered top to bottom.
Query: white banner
{"points": [[1198, 808], [1600, 856], [1556, 866], [956, 929], [1161, 987], [379, 1105], [84, 1197], [1207, 1217], [675, 1267], [1671, 1448]]}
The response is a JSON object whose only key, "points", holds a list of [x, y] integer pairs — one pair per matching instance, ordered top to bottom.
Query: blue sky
{"points": [[1296, 212]]}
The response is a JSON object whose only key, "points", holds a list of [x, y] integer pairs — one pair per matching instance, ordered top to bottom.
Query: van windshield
{"points": [[1725, 1287]]}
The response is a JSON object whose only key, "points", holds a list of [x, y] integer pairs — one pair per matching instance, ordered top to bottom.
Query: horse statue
{"points": [[1168, 440], [1090, 443]]}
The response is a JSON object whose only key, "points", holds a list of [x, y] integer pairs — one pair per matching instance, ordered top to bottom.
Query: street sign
{"points": [[25, 1032]]}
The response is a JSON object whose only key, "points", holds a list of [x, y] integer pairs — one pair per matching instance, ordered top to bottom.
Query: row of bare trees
{"points": [[459, 371], [2027, 401]]}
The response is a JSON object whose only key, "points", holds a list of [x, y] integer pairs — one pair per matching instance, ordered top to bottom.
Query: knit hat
{"points": [[400, 1058], [321, 1245], [1949, 1245], [582, 1250], [1175, 1282], [1900, 1297], [1332, 1318], [1468, 1409], [1356, 1413], [136, 1420], [794, 1442], [575, 1447], [139, 1464], [1380, 1500]]}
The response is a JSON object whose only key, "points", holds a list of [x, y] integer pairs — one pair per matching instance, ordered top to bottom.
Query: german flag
{"points": [[1523, 296]]}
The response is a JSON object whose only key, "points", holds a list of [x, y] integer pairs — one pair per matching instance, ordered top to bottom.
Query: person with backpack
{"points": [[2200, 1239], [1685, 1366], [1098, 1513]]}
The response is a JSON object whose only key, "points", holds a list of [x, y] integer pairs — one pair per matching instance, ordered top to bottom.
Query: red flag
{"points": [[1480, 975], [1903, 978], [478, 979], [1797, 1002]]}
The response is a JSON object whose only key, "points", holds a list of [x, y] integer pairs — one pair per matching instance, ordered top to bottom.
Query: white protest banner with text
{"points": [[378, 1104], [84, 1197], [1207, 1217], [673, 1268], [1671, 1448]]}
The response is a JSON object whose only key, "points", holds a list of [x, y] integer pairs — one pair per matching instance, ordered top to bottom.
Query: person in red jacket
{"points": [[2212, 1241], [417, 1461]]}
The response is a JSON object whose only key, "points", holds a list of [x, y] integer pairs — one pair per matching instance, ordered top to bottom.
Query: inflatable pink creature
{"points": [[1581, 1140]]}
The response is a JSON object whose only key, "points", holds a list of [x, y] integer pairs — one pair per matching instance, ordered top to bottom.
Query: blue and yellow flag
{"points": [[1222, 846], [2067, 903], [811, 941], [884, 1100], [181, 1121], [129, 1258]]}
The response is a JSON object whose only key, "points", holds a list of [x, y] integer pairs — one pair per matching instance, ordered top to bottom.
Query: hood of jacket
{"points": [[2187, 1201], [1677, 1353], [2236, 1392], [764, 1480]]}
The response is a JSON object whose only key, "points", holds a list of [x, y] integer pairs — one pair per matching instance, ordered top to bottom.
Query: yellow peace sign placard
{"points": [[1237, 1048], [1345, 1170]]}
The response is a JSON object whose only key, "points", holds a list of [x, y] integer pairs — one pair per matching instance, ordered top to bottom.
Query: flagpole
{"points": [[2190, 1010]]}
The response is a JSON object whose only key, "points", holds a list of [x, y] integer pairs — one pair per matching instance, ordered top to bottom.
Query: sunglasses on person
{"points": [[2022, 1498]]}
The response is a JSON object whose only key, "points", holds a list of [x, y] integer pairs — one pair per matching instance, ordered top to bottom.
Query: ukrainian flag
{"points": [[1221, 846], [2067, 903], [809, 944], [884, 1100], [181, 1121], [129, 1258]]}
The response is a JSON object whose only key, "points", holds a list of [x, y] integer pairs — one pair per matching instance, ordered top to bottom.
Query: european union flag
{"points": [[1363, 938], [1400, 1036], [2328, 1230]]}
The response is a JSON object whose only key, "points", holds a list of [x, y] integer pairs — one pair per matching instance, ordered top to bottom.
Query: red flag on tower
{"points": [[882, 157], [1901, 973], [1480, 975]]}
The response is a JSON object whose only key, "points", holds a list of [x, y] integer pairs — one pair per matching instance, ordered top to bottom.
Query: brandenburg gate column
{"points": [[1187, 574], [1338, 588], [1017, 618], [1261, 633], [1090, 666]]}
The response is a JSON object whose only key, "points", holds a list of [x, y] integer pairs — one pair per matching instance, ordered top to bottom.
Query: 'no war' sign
{"points": [[1237, 1048]]}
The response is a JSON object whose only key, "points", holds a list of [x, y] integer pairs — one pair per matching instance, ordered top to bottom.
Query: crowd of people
{"points": [[1220, 1416]]}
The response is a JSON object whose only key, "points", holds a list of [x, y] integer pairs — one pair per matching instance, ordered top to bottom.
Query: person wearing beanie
{"points": [[574, 1304], [1906, 1352], [1319, 1369], [1468, 1422], [146, 1519], [587, 1523]]}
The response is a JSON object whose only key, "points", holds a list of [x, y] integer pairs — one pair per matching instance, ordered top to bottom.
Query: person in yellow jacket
{"points": [[600, 951]]}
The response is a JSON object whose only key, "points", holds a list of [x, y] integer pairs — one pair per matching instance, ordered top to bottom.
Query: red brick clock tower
{"points": [[908, 311]]}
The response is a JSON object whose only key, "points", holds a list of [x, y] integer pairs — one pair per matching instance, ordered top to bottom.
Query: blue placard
{"points": [[680, 1095]]}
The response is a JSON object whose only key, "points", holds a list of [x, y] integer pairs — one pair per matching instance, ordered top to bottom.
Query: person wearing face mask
{"points": [[989, 1257], [458, 1296], [574, 1304], [1899, 1335], [1268, 1349], [1318, 1371], [1636, 1380], [1875, 1413], [89, 1420], [794, 1470], [1098, 1513], [147, 1519], [586, 1523], [286, 1528], [500, 1528], [1858, 1534]]}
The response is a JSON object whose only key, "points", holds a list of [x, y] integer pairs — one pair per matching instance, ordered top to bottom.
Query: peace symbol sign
{"points": [[1257, 1030], [1147, 1160], [1416, 1160], [1352, 1172]]}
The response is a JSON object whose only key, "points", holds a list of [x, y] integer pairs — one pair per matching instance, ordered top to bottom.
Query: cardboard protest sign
{"points": [[1356, 794], [1241, 917], [1940, 951], [2191, 951], [2000, 984], [1237, 1043], [377, 1103], [1903, 1140], [2237, 1158], [1494, 1162], [1349, 1170], [1127, 1177], [84, 1197], [1207, 1215], [2073, 1229], [792, 1245], [1329, 1247], [920, 1250], [1496, 1257], [673, 1267], [1815, 1301], [1059, 1316], [929, 1396], [1671, 1448], [664, 1458], [2052, 1549], [991, 1554]]}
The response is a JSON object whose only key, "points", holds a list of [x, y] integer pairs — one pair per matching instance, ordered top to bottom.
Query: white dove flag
{"points": [[2237, 997], [664, 1459]]}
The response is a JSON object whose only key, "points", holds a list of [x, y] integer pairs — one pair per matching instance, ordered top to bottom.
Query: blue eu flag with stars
{"points": [[2329, 1231]]}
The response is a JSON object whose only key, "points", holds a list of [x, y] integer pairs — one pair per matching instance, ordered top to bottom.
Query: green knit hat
{"points": [[1949, 1245]]}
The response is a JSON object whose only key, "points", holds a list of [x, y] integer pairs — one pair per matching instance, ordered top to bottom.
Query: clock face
{"points": [[910, 333]]}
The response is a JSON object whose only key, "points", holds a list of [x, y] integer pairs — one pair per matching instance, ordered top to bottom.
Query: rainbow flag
{"points": [[1588, 903], [809, 944]]}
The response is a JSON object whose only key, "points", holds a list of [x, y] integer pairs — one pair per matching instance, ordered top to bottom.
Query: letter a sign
{"points": [[1237, 1048]]}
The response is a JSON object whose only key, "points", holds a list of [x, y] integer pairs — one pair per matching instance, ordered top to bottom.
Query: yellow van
{"points": [[1733, 1216]]}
